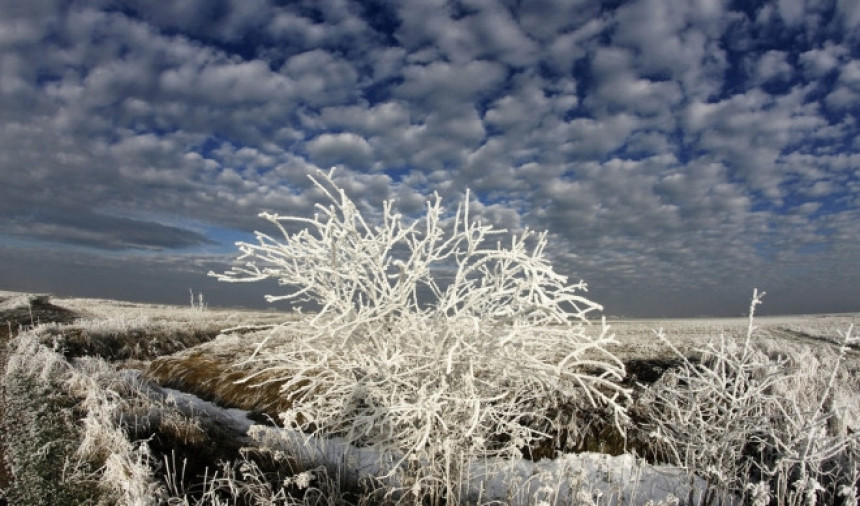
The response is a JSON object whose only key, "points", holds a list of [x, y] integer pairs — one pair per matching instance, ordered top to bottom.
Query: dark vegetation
{"points": [[40, 310], [137, 344]]}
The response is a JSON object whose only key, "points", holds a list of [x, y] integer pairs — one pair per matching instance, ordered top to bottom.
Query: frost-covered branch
{"points": [[380, 271]]}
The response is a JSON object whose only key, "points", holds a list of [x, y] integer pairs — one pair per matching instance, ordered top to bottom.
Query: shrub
{"points": [[432, 344], [756, 425]]}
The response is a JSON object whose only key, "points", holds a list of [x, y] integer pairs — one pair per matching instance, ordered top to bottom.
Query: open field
{"points": [[154, 405]]}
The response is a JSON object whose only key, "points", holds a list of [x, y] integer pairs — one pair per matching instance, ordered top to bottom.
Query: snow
{"points": [[235, 419], [610, 480]]}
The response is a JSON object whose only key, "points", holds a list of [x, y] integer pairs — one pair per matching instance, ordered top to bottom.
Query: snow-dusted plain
{"points": [[565, 478]]}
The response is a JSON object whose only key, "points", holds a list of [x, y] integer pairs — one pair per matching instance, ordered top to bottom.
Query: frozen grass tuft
{"points": [[782, 409], [769, 427], [40, 429]]}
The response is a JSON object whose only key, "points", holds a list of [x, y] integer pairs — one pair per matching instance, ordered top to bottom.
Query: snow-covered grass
{"points": [[118, 317], [123, 331], [766, 425], [39, 427], [83, 432], [585, 478]]}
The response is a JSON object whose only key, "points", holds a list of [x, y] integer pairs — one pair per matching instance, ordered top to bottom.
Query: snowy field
{"points": [[135, 378]]}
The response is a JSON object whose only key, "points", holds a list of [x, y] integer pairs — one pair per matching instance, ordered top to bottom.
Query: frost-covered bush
{"points": [[435, 343], [768, 427]]}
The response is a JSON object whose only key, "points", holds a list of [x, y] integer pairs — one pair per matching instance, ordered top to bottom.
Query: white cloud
{"points": [[791, 11], [848, 12], [549, 19], [227, 20], [427, 23], [296, 29], [17, 31], [499, 35], [677, 39], [569, 47], [818, 62], [773, 65], [849, 74], [321, 78], [227, 83], [441, 85], [617, 87], [846, 94], [842, 98], [523, 109], [380, 119], [752, 130], [586, 138], [446, 139], [343, 148], [488, 169], [500, 215]]}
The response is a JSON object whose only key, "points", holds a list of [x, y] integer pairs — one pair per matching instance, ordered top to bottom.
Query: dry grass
{"points": [[21, 311], [143, 342], [210, 371], [217, 381], [121, 423], [102, 433]]}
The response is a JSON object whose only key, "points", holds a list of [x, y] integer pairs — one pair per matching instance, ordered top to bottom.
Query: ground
{"points": [[196, 351]]}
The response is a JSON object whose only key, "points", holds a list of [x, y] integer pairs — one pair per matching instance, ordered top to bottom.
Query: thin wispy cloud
{"points": [[680, 152]]}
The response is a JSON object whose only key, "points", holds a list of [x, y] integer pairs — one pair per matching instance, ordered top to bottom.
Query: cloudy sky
{"points": [[680, 152]]}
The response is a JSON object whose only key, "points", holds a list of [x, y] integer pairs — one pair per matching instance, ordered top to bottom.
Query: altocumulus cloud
{"points": [[680, 152]]}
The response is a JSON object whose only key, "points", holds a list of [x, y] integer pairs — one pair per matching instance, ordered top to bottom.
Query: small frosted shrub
{"points": [[434, 343], [767, 427]]}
